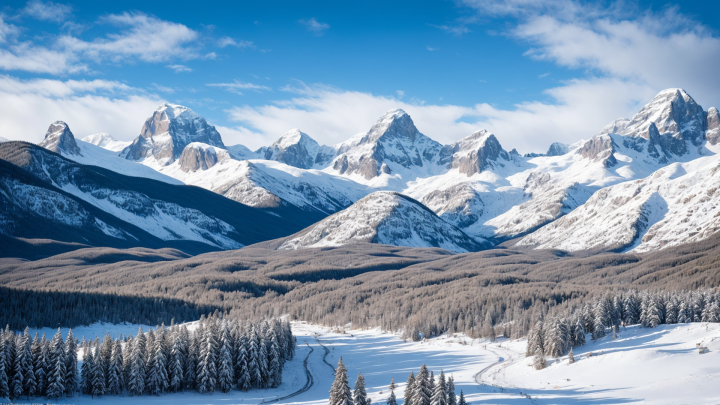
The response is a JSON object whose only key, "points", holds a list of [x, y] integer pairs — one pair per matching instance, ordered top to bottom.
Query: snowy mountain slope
{"points": [[167, 132], [60, 139], [106, 141], [297, 149], [393, 151], [262, 183], [677, 204], [169, 212], [386, 218]]}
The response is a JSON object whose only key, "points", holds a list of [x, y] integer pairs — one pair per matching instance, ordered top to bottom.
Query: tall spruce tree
{"points": [[207, 368], [86, 371], [226, 372], [98, 373], [114, 373], [176, 375], [56, 377], [4, 378], [18, 378], [72, 379], [136, 379], [29, 381], [421, 387], [409, 389], [340, 391], [359, 393], [440, 394], [452, 398], [392, 400], [462, 401]]}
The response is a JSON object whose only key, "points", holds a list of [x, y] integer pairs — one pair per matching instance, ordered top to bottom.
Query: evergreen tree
{"points": [[631, 309], [651, 315], [535, 339], [571, 358], [274, 360], [191, 361], [539, 362], [38, 365], [71, 365], [253, 365], [263, 365], [176, 366], [207, 369], [86, 372], [226, 373], [98, 374], [115, 374], [18, 378], [56, 378], [157, 378], [136, 380], [29, 381], [244, 381], [4, 383], [421, 388], [409, 389], [340, 391], [359, 394], [440, 395], [452, 398], [391, 399], [461, 401]]}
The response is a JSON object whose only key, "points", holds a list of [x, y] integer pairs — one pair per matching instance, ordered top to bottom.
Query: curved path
{"points": [[327, 351], [495, 368], [308, 384]]}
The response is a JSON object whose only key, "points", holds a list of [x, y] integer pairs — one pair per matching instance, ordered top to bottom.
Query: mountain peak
{"points": [[175, 111], [60, 139], [474, 153]]}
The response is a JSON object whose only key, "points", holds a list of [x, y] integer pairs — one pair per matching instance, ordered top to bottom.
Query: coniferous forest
{"points": [[214, 355]]}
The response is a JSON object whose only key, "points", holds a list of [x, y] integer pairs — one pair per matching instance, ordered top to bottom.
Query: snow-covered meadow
{"points": [[659, 365]]}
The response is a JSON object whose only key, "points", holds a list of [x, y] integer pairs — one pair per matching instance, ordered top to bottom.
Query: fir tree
{"points": [[571, 358], [274, 360], [539, 362], [71, 365], [253, 365], [176, 366], [207, 369], [243, 369], [86, 372], [114, 373], [98, 374], [226, 374], [56, 377], [18, 378], [157, 378], [136, 380], [29, 381], [4, 383], [409, 388], [421, 388], [340, 391], [359, 394], [440, 395], [452, 398], [391, 399], [461, 401]]}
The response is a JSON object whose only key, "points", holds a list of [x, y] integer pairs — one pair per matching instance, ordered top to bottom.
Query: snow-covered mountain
{"points": [[167, 132], [60, 139], [106, 141], [392, 148], [474, 184], [384, 217]]}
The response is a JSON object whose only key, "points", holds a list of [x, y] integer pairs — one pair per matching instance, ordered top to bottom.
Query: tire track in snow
{"points": [[327, 351], [501, 364], [308, 384]]}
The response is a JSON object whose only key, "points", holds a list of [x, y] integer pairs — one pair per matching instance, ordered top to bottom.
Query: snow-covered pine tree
{"points": [[631, 308], [616, 311], [711, 313], [651, 315], [684, 316], [601, 318], [577, 333], [536, 337], [106, 347], [571, 357], [191, 361], [274, 361], [253, 362], [539, 362], [71, 365], [263, 365], [207, 369], [242, 370], [86, 371], [114, 372], [98, 373], [226, 373], [176, 375], [56, 377], [4, 378], [157, 378], [18, 379], [136, 379], [29, 381], [431, 383], [409, 388], [421, 390], [340, 393], [359, 394], [440, 394], [452, 398], [392, 400], [462, 401]]}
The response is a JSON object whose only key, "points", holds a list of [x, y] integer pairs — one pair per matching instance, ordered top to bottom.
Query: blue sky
{"points": [[532, 72]]}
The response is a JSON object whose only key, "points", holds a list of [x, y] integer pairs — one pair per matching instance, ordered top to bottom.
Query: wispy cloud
{"points": [[47, 11], [315, 26], [457, 27], [227, 41], [431, 49], [179, 68], [544, 75], [236, 87], [163, 88], [400, 93]]}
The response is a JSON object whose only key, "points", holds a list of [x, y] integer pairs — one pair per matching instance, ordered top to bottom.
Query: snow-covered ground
{"points": [[660, 365]]}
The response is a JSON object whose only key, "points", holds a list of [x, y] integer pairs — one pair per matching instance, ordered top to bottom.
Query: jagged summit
{"points": [[168, 131], [60, 139], [296, 148], [474, 153]]}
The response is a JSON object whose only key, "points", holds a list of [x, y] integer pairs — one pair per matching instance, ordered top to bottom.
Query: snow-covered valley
{"points": [[659, 365]]}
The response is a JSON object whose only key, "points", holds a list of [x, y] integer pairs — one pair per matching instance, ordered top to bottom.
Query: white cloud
{"points": [[47, 11], [315, 26], [458, 27], [227, 41], [429, 48], [179, 68], [237, 85], [162, 88], [400, 93], [88, 107], [332, 115]]}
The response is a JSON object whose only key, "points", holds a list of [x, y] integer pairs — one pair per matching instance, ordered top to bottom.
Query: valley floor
{"points": [[660, 365]]}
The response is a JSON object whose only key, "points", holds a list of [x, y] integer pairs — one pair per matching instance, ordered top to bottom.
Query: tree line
{"points": [[557, 335], [213, 355], [424, 389]]}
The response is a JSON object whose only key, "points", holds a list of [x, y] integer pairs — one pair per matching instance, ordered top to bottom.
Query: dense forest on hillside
{"points": [[423, 291]]}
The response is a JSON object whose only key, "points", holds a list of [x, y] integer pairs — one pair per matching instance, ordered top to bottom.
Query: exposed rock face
{"points": [[713, 126], [170, 129], [60, 139], [392, 141], [599, 148], [297, 149], [557, 149], [474, 153], [200, 156], [459, 205], [387, 218]]}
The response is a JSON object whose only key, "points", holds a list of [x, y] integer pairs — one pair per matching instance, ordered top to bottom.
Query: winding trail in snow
{"points": [[327, 351], [495, 368], [308, 384]]}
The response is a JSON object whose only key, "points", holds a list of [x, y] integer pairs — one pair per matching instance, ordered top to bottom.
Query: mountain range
{"points": [[639, 184]]}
